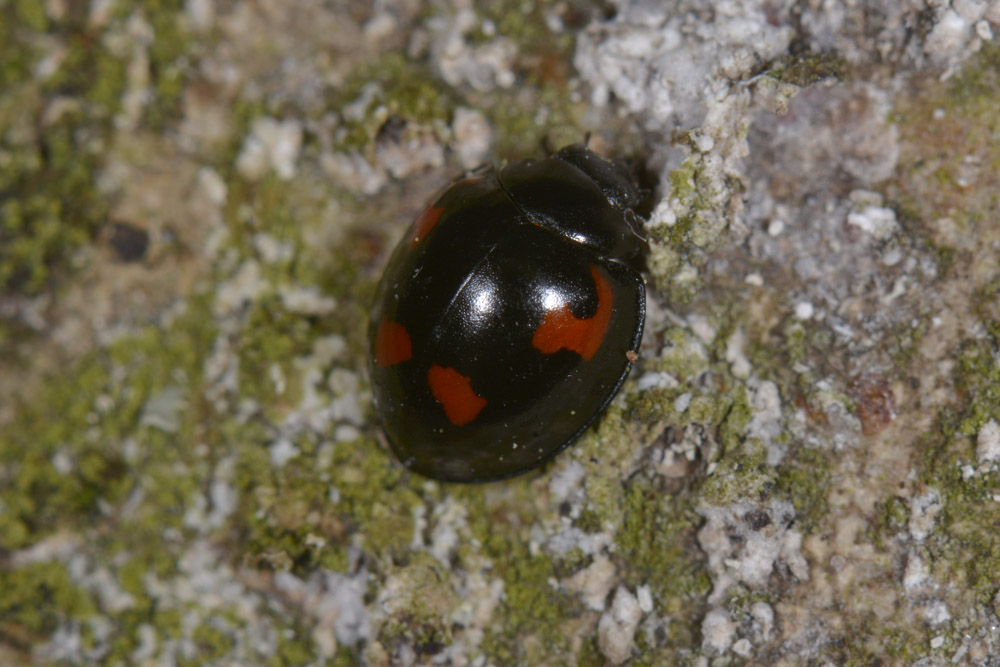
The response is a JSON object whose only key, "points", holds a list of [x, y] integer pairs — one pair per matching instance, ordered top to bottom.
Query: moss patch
{"points": [[405, 89], [63, 454], [804, 479], [965, 547], [659, 549], [35, 599]]}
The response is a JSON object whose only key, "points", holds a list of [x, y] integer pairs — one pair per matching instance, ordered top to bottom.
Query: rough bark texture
{"points": [[196, 201]]}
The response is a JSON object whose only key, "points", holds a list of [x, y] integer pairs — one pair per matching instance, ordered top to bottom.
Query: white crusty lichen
{"points": [[668, 65], [679, 75], [988, 442], [745, 542], [616, 629], [717, 632]]}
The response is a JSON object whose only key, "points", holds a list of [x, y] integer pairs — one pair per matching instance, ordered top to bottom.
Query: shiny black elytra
{"points": [[508, 317]]}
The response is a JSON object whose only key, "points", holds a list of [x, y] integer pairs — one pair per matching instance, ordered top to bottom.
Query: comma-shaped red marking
{"points": [[424, 224], [561, 329], [392, 343], [454, 392]]}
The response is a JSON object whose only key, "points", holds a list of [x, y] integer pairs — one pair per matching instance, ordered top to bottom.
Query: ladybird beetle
{"points": [[508, 316]]}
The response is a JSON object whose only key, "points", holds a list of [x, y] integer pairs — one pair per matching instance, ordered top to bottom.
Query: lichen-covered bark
{"points": [[197, 198]]}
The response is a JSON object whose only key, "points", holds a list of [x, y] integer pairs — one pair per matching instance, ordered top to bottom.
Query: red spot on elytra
{"points": [[424, 224], [562, 329], [392, 343], [454, 392]]}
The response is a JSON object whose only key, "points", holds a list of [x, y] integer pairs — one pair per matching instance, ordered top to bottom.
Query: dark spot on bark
{"points": [[392, 130], [128, 241], [875, 404], [757, 519]]}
